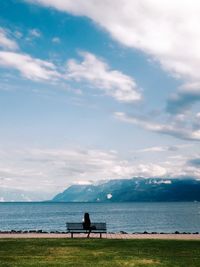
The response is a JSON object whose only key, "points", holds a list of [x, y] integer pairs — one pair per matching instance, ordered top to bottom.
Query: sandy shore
{"points": [[108, 236]]}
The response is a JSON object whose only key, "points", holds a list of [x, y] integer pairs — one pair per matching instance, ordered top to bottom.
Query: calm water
{"points": [[129, 217]]}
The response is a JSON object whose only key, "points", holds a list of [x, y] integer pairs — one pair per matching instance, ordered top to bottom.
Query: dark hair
{"points": [[87, 218]]}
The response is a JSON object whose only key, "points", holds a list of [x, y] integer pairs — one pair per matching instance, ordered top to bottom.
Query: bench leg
{"points": [[71, 235], [100, 235]]}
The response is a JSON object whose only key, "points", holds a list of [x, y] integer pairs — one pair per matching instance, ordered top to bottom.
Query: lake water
{"points": [[129, 217]]}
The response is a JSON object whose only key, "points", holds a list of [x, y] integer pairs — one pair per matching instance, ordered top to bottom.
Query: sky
{"points": [[96, 90]]}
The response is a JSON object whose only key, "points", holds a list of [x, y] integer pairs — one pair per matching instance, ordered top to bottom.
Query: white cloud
{"points": [[167, 30], [35, 33], [56, 40], [6, 42], [29, 67], [92, 70], [96, 72], [172, 129], [154, 149], [149, 170]]}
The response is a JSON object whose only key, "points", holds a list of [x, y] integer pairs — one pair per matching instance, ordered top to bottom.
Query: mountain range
{"points": [[132, 190]]}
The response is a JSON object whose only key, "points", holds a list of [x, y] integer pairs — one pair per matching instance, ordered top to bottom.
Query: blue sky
{"points": [[98, 90]]}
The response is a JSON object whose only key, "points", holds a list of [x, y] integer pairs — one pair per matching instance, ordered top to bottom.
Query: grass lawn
{"points": [[98, 252]]}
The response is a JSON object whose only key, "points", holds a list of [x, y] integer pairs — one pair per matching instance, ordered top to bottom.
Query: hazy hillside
{"points": [[135, 189], [15, 195]]}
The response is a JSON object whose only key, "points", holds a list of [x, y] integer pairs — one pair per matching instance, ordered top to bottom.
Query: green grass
{"points": [[98, 252]]}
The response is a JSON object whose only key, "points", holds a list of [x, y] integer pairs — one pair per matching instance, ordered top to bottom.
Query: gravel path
{"points": [[108, 236]]}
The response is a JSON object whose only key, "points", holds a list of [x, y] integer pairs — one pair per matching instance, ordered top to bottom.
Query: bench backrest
{"points": [[79, 227]]}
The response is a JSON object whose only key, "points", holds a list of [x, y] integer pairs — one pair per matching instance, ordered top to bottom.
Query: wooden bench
{"points": [[99, 228]]}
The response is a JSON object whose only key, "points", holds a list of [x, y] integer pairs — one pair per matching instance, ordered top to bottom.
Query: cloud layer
{"points": [[172, 129]]}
